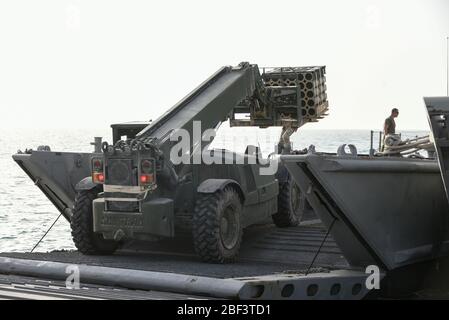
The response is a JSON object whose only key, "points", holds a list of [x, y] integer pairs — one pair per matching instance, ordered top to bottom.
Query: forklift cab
{"points": [[127, 130]]}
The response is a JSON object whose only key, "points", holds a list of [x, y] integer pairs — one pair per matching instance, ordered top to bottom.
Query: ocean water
{"points": [[26, 214]]}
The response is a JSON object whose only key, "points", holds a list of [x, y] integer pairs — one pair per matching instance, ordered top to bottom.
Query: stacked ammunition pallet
{"points": [[311, 82]]}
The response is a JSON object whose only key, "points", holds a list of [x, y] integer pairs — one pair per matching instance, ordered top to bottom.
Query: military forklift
{"points": [[132, 189]]}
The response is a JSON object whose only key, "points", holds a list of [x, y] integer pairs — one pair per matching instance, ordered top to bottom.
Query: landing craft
{"points": [[384, 209]]}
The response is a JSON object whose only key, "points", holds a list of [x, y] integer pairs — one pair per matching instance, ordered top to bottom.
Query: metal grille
{"points": [[120, 172]]}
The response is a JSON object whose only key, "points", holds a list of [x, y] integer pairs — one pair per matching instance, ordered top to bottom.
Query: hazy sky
{"points": [[72, 63]]}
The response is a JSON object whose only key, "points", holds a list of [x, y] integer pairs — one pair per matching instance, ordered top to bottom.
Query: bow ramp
{"points": [[386, 211]]}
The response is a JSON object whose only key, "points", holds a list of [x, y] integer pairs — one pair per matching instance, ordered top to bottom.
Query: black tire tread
{"points": [[285, 217], [82, 227], [206, 227]]}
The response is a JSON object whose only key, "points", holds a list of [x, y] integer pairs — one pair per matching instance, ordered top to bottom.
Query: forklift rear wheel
{"points": [[290, 208], [217, 229], [86, 241]]}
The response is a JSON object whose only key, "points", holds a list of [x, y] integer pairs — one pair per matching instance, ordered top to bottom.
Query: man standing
{"points": [[390, 125]]}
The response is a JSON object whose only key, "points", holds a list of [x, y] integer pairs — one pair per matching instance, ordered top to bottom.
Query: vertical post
{"points": [[380, 141], [97, 144], [371, 150]]}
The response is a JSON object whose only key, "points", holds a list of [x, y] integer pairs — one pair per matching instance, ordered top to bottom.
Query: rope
{"points": [[46, 233], [321, 245]]}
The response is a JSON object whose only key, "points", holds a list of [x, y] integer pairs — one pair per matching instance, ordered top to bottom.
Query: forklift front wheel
{"points": [[217, 228]]}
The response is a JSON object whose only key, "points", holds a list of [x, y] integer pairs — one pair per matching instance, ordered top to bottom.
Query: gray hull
{"points": [[56, 174], [390, 212]]}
